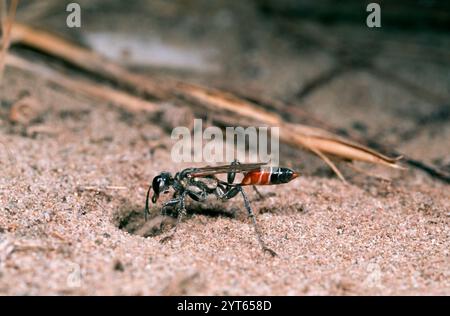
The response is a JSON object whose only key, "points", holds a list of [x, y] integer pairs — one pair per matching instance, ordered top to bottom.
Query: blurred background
{"points": [[389, 84]]}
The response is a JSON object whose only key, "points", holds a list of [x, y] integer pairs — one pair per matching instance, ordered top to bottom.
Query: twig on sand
{"points": [[85, 59], [97, 91], [298, 135], [317, 140], [101, 188]]}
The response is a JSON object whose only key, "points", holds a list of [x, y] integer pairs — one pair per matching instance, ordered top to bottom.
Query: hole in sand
{"points": [[130, 217]]}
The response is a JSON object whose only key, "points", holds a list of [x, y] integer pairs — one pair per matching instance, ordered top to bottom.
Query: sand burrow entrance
{"points": [[130, 218]]}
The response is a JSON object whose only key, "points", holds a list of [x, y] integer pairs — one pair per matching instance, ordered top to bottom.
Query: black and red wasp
{"points": [[199, 183]]}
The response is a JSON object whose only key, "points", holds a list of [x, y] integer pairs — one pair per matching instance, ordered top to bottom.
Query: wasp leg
{"points": [[232, 175], [204, 189], [232, 193], [259, 194], [197, 196], [171, 203], [181, 213], [255, 224]]}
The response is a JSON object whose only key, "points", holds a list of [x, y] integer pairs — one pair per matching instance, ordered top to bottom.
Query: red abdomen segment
{"points": [[273, 175]]}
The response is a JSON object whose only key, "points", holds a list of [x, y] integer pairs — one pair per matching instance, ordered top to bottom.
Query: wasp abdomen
{"points": [[274, 175]]}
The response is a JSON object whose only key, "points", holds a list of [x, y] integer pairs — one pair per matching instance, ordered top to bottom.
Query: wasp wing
{"points": [[211, 170]]}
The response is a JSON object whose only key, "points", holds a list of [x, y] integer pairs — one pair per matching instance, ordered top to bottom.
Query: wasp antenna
{"points": [[146, 211]]}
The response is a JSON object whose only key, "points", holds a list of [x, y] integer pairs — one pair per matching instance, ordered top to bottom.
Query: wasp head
{"points": [[161, 184]]}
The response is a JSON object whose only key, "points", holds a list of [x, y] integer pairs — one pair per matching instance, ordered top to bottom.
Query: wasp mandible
{"points": [[196, 184]]}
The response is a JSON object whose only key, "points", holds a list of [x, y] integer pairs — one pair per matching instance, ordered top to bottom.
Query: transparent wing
{"points": [[206, 171]]}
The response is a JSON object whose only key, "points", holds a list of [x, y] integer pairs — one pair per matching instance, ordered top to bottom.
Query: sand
{"points": [[74, 180]]}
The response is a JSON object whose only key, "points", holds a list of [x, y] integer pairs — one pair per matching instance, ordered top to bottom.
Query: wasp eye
{"points": [[157, 184]]}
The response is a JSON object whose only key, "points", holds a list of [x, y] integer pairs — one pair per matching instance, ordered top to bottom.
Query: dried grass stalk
{"points": [[6, 24], [97, 91], [319, 141]]}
